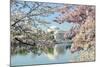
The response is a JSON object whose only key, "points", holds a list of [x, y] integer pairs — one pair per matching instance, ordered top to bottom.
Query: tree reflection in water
{"points": [[25, 49], [51, 52]]}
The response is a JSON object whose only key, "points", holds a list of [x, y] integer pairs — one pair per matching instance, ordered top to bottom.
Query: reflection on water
{"points": [[28, 55]]}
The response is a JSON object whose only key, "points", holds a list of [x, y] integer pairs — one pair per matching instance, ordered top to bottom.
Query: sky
{"points": [[64, 26]]}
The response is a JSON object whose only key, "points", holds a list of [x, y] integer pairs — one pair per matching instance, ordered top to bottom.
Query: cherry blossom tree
{"points": [[77, 14], [26, 18]]}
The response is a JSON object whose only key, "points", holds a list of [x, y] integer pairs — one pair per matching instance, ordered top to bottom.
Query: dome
{"points": [[52, 28]]}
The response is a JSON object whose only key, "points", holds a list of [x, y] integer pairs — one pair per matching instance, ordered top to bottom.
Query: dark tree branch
{"points": [[25, 42]]}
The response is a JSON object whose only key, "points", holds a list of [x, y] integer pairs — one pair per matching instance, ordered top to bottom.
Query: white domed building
{"points": [[52, 28], [58, 34]]}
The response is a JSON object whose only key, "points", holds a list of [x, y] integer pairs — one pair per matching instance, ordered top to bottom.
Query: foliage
{"points": [[75, 13]]}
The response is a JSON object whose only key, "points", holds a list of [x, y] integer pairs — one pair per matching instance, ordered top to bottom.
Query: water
{"points": [[57, 54]]}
